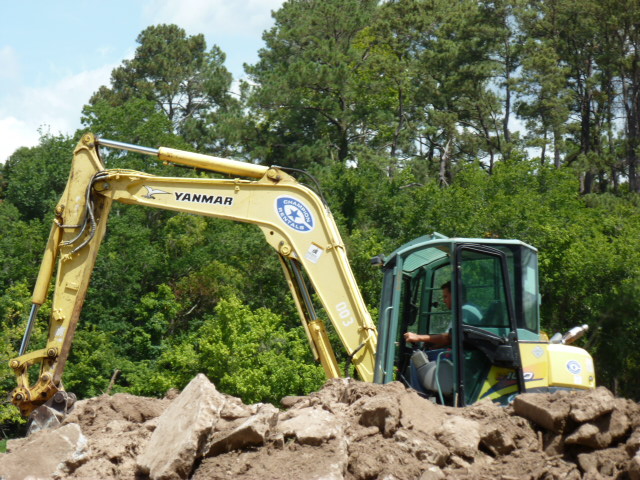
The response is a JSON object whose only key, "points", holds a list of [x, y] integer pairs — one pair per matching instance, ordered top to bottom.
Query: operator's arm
{"points": [[436, 340]]}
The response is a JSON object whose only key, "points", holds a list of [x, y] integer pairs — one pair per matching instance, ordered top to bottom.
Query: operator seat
{"points": [[494, 314], [435, 376]]}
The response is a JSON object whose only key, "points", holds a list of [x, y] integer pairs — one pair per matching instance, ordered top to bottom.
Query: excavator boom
{"points": [[293, 218]]}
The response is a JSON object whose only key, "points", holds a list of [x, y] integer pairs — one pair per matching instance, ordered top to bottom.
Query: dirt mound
{"points": [[348, 430]]}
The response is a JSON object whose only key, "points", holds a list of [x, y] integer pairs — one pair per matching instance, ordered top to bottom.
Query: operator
{"points": [[470, 315], [438, 343]]}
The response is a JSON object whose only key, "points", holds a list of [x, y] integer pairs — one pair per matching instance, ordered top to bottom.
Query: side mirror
{"points": [[378, 260]]}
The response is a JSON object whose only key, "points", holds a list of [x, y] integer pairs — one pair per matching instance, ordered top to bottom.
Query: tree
{"points": [[501, 18], [572, 29], [621, 35], [440, 63], [184, 82], [545, 98], [304, 106], [137, 120], [36, 176], [21, 246], [14, 309], [249, 354]]}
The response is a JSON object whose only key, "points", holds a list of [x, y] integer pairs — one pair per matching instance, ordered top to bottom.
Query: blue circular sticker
{"points": [[295, 214], [574, 367]]}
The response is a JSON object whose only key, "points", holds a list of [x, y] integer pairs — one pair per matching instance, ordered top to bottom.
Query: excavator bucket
{"points": [[51, 414]]}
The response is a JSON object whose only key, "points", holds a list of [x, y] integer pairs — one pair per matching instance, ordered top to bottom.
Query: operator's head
{"points": [[446, 294]]}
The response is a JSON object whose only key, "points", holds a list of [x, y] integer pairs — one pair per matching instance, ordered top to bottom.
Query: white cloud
{"points": [[214, 18], [235, 26], [10, 63], [64, 99], [56, 107], [14, 134]]}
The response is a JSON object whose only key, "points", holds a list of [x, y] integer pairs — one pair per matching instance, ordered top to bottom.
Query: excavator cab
{"points": [[494, 305]]}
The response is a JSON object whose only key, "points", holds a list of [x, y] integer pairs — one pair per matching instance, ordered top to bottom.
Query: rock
{"points": [[355, 390], [172, 394], [290, 400], [591, 405], [233, 408], [136, 409], [631, 410], [547, 411], [95, 413], [380, 413], [419, 414], [617, 424], [310, 426], [182, 430], [349, 430], [601, 432], [251, 433], [461, 435], [586, 435], [497, 441], [553, 443], [633, 443], [112, 452], [430, 452], [43, 454], [294, 461], [459, 463], [588, 463], [605, 463], [633, 468], [432, 473]]}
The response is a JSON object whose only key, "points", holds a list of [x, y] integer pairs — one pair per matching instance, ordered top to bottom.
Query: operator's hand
{"points": [[411, 337], [438, 340]]}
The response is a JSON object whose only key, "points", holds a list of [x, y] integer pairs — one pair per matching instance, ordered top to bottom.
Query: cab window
{"points": [[483, 295], [439, 313]]}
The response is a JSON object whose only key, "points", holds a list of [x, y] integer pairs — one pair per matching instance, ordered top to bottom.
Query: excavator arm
{"points": [[293, 219]]}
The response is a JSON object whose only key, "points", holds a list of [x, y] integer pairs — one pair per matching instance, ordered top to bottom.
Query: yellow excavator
{"points": [[496, 353]]}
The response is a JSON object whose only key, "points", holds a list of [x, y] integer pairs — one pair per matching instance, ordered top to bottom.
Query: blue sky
{"points": [[55, 54]]}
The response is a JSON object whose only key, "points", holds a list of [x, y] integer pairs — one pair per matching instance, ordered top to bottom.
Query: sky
{"points": [[55, 54]]}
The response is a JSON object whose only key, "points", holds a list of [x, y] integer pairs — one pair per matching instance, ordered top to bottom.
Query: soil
{"points": [[348, 430]]}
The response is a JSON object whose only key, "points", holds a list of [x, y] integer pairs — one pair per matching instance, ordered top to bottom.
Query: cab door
{"points": [[485, 339]]}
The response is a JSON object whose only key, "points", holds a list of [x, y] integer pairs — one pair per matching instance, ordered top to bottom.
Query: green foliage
{"points": [[308, 70], [172, 85], [138, 120], [36, 176], [19, 250], [129, 265], [14, 309], [155, 318], [96, 354], [249, 354], [252, 355]]}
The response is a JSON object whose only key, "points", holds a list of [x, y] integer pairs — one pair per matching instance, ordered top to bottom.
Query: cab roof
{"points": [[432, 248]]}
